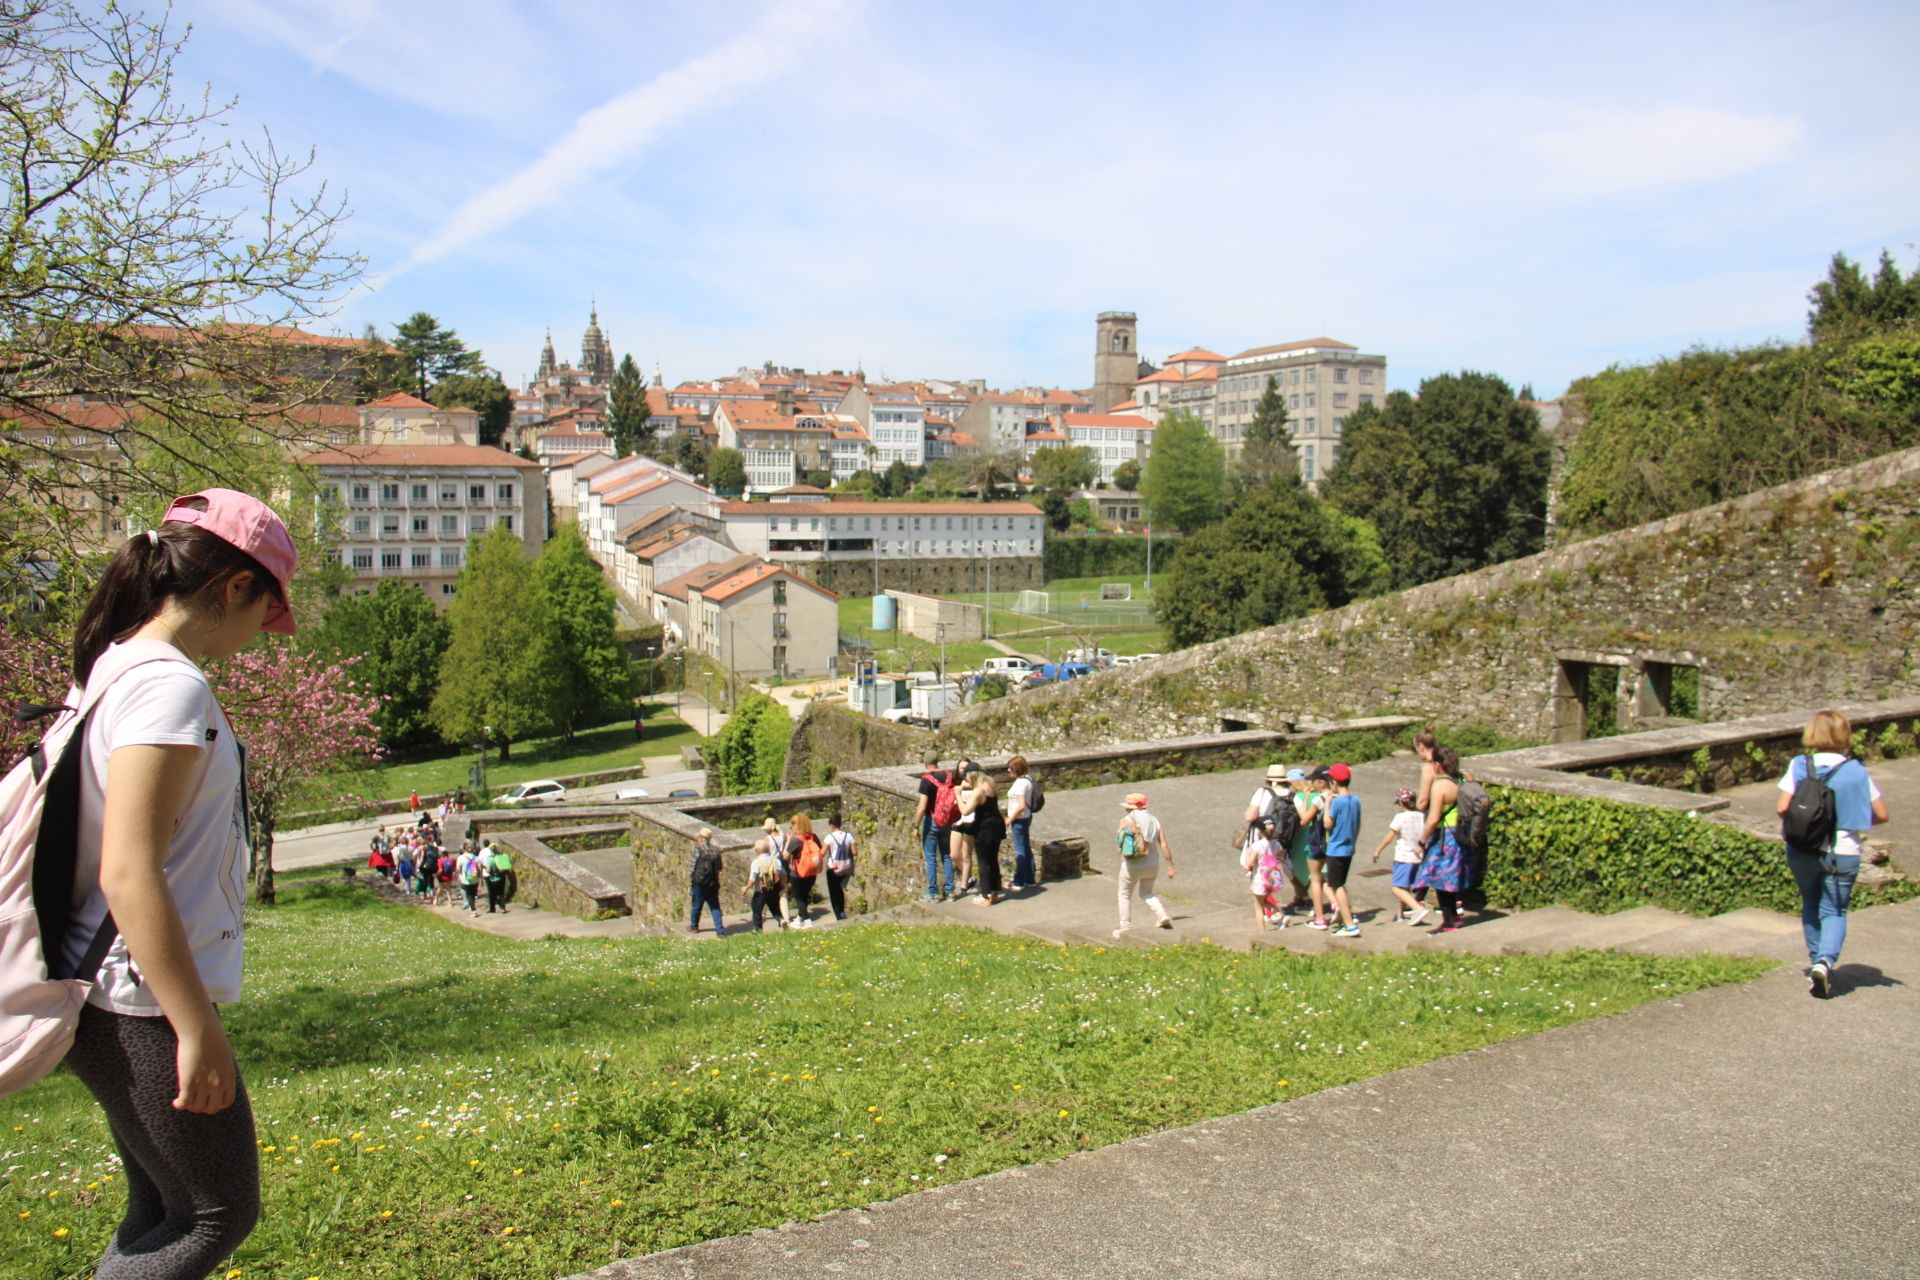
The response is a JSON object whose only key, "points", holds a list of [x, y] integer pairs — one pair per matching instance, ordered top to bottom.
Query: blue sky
{"points": [[1538, 190]]}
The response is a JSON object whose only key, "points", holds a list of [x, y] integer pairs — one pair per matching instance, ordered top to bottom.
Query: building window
{"points": [[1340, 373], [1366, 375], [1310, 399], [1339, 399], [334, 437], [390, 492], [419, 492], [363, 493], [503, 493], [476, 494], [449, 495], [506, 522], [477, 524], [363, 526], [389, 526], [420, 526], [449, 526], [420, 558], [363, 559], [389, 559], [446, 588], [780, 591]]}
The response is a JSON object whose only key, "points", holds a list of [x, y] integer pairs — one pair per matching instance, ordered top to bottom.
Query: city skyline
{"points": [[948, 193]]}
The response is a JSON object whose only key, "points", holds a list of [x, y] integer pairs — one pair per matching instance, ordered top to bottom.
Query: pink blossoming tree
{"points": [[300, 720]]}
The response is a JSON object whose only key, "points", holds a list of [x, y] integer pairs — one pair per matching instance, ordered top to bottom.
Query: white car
{"points": [[1098, 659], [1010, 667], [542, 791], [631, 793]]}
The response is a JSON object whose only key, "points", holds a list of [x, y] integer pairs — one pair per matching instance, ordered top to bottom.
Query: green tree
{"points": [[133, 229], [1847, 305], [431, 351], [379, 369], [483, 393], [628, 411], [1266, 452], [689, 454], [1064, 469], [727, 470], [987, 470], [1127, 476], [899, 479], [1452, 481], [860, 482], [1185, 484], [1058, 511], [1279, 554], [397, 639], [596, 676], [500, 677], [750, 751]]}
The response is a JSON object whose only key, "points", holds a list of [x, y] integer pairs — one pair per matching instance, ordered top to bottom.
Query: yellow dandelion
{"points": [[1063, 1113], [518, 1172], [619, 1204], [386, 1213], [507, 1231], [59, 1233]]}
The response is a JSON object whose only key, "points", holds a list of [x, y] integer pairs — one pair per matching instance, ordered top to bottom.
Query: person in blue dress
{"points": [[1825, 876]]}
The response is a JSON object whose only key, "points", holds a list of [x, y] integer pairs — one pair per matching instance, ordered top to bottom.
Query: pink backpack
{"points": [[39, 830]]}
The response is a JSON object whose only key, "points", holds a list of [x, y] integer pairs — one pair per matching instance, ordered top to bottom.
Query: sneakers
{"points": [[1419, 915], [1166, 922], [1318, 922], [1453, 927], [1346, 931], [1119, 934], [1820, 981]]}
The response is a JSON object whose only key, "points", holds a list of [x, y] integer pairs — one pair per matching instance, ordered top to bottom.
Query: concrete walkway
{"points": [[1742, 1132]]}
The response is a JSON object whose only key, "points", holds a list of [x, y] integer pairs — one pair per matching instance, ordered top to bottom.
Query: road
{"points": [[347, 841]]}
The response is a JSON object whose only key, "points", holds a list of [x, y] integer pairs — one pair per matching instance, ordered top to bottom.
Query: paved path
{"points": [[1742, 1132]]}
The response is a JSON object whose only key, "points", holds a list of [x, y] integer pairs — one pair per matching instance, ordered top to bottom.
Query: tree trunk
{"points": [[506, 749], [263, 891]]}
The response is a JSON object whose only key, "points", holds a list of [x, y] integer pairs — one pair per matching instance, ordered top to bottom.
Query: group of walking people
{"points": [[415, 861], [783, 877]]}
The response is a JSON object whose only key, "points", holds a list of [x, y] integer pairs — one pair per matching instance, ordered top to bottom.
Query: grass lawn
{"points": [[1038, 636], [608, 746], [433, 1101]]}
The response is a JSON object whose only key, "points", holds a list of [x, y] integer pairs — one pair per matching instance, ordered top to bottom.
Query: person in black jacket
{"points": [[706, 881]]}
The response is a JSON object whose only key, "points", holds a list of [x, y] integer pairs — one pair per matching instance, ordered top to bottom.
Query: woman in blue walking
{"points": [[1825, 876]]}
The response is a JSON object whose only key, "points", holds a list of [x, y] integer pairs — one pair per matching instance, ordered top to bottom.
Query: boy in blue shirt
{"points": [[1343, 839]]}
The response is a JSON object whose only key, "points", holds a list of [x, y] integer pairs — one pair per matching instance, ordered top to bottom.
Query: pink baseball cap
{"points": [[244, 521]]}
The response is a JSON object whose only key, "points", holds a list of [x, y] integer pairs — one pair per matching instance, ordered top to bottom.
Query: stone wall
{"points": [[938, 575], [1790, 597], [831, 739], [550, 879]]}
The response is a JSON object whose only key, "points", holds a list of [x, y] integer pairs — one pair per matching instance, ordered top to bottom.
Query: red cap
{"points": [[244, 521], [1340, 773]]}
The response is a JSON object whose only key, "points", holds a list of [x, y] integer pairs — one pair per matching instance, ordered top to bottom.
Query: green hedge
{"points": [[1095, 555], [1605, 856]]}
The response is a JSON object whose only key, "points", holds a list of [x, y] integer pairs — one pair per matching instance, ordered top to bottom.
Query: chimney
{"points": [[783, 401]]}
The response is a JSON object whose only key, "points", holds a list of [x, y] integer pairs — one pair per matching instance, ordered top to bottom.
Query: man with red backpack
{"points": [[938, 799]]}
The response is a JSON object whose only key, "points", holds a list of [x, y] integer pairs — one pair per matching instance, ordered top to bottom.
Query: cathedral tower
{"points": [[596, 353], [1116, 359], [547, 360]]}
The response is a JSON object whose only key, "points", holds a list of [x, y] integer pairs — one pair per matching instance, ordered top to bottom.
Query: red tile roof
{"points": [[1307, 345], [1195, 353], [401, 400], [1107, 420], [417, 455], [783, 509], [754, 574], [706, 575]]}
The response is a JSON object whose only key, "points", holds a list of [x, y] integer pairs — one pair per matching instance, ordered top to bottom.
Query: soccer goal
{"points": [[1116, 591], [1036, 602]]}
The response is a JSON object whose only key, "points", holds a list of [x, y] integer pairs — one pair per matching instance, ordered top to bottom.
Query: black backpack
{"points": [[1036, 796], [1473, 807], [1812, 818], [1286, 819]]}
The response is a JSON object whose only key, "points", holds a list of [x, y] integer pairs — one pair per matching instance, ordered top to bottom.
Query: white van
{"points": [[1012, 667]]}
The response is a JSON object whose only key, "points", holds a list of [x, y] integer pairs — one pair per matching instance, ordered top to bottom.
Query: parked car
{"points": [[1100, 659], [1012, 667], [1054, 672], [542, 791], [631, 793], [683, 793]]}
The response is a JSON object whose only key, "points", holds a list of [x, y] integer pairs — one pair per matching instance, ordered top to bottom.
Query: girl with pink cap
{"points": [[161, 887]]}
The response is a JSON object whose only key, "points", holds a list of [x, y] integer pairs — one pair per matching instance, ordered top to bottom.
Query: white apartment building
{"points": [[1323, 380], [895, 420], [1113, 438], [611, 501]]}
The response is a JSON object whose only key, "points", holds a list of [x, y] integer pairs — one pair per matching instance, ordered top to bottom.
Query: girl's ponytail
{"points": [[128, 594]]}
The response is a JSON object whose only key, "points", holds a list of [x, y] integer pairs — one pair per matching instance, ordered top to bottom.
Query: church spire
{"points": [[547, 361]]}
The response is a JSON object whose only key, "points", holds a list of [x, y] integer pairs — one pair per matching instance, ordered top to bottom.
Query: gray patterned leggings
{"points": [[193, 1181]]}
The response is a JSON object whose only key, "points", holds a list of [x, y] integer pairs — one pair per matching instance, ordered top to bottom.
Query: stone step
{"points": [[1761, 920], [1545, 930], [1491, 933], [1603, 933], [1717, 936], [1296, 937]]}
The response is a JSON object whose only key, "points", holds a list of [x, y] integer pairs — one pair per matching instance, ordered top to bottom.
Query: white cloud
{"points": [[613, 133], [1588, 151]]}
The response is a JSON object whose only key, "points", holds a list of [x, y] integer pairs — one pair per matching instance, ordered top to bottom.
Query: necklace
{"points": [[179, 644]]}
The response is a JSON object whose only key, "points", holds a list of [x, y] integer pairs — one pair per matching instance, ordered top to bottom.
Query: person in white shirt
{"points": [[1404, 833], [1143, 844], [162, 875]]}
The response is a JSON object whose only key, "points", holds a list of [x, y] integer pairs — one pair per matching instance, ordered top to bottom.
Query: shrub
{"points": [[751, 749], [1605, 856]]}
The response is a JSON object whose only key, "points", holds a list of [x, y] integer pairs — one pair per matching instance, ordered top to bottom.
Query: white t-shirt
{"points": [[166, 704], [1020, 797], [1265, 801], [1407, 826], [1147, 840]]}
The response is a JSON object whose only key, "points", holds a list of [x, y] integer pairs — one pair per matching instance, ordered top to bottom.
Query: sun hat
{"points": [[242, 520], [1276, 773], [1340, 773], [1405, 798], [1134, 800], [768, 824], [706, 833]]}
